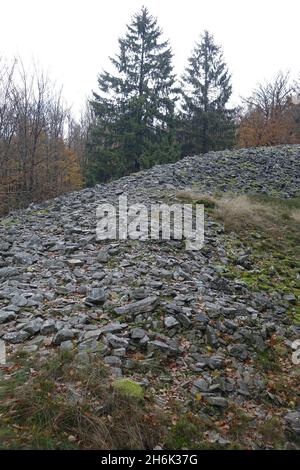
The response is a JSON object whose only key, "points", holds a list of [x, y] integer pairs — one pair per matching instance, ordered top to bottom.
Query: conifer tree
{"points": [[134, 108], [207, 123]]}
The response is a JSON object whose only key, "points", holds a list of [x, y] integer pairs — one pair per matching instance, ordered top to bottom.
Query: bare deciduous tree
{"points": [[269, 117], [36, 161]]}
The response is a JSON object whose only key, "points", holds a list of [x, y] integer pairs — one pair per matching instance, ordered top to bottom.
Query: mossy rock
{"points": [[40, 212], [9, 222], [129, 389]]}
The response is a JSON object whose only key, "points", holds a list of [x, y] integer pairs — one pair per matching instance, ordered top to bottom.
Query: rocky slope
{"points": [[164, 316]]}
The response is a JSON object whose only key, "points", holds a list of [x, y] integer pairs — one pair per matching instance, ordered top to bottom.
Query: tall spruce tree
{"points": [[134, 108], [207, 123]]}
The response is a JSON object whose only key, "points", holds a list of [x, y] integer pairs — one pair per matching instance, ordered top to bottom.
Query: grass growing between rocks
{"points": [[240, 213], [9, 222], [265, 230], [62, 403]]}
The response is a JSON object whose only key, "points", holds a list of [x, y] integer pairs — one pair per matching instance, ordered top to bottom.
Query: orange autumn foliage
{"points": [[272, 114], [257, 130], [53, 170]]}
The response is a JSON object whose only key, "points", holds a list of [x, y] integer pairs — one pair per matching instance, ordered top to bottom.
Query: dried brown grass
{"points": [[239, 213], [296, 215]]}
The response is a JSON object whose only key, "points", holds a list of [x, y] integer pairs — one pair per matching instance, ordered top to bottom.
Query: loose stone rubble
{"points": [[60, 288]]}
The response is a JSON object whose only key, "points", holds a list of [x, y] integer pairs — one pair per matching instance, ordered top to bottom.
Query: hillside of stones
{"points": [[148, 305]]}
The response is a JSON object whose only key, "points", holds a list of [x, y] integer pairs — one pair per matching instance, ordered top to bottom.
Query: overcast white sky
{"points": [[72, 39]]}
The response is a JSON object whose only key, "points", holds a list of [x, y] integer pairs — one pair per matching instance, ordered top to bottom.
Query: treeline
{"points": [[141, 115], [144, 115], [41, 146]]}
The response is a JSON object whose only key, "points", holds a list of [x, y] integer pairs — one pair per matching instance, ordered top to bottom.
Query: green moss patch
{"points": [[129, 389]]}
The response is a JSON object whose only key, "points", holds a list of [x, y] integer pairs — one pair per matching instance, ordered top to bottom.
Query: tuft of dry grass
{"points": [[197, 198], [240, 212], [296, 215]]}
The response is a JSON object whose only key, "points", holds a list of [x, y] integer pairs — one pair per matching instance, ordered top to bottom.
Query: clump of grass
{"points": [[196, 197], [240, 212], [256, 212], [296, 215], [297, 315], [267, 361], [272, 432], [186, 433]]}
